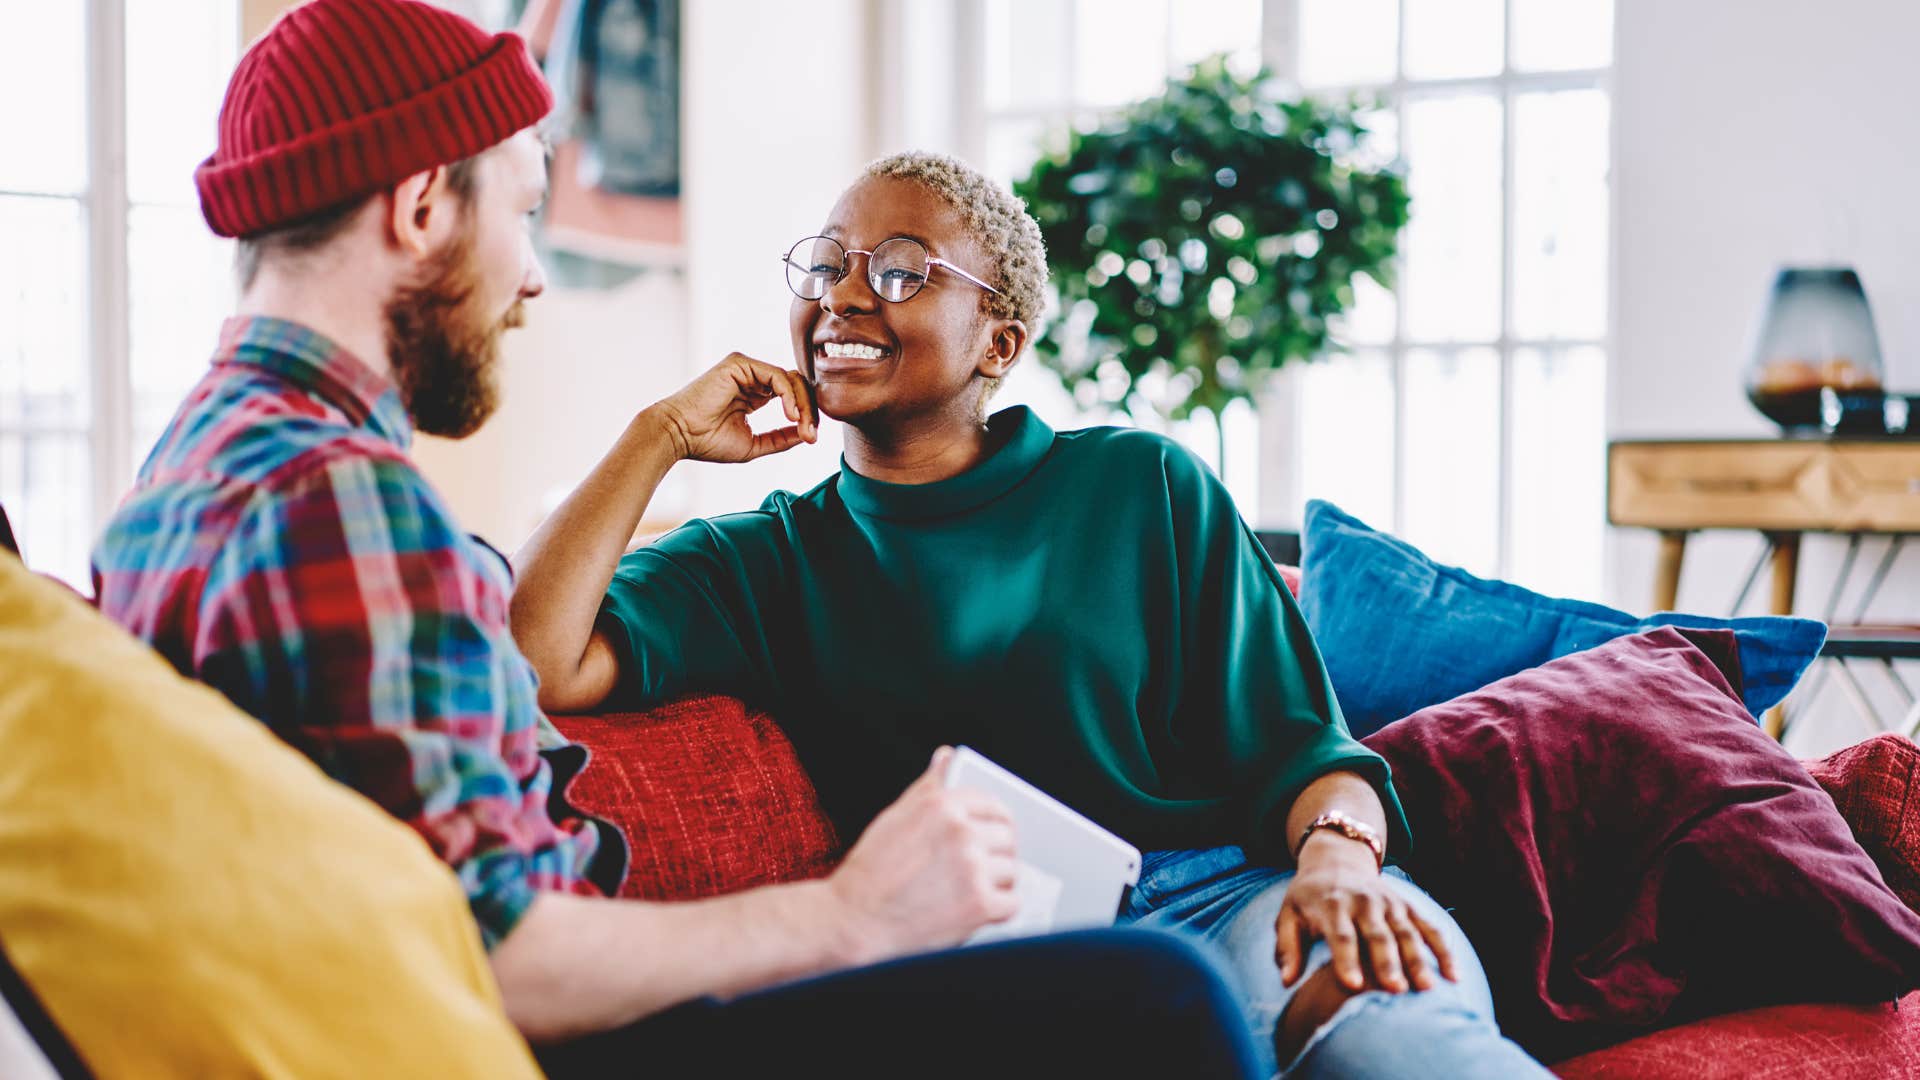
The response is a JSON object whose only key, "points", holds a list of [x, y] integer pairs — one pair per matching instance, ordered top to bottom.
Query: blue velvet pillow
{"points": [[1400, 632]]}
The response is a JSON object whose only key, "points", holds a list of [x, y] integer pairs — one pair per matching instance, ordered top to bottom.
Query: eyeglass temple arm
{"points": [[934, 260]]}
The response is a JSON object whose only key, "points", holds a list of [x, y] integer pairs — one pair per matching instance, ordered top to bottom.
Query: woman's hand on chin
{"points": [[707, 420]]}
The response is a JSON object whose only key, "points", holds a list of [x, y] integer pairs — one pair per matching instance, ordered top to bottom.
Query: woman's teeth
{"points": [[849, 351]]}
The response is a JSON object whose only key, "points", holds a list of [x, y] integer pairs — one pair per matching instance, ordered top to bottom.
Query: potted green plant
{"points": [[1201, 239]]}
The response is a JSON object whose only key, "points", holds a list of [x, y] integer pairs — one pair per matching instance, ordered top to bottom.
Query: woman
{"points": [[1084, 607]]}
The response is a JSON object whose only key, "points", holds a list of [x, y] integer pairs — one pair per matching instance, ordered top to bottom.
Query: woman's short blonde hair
{"points": [[1008, 236]]}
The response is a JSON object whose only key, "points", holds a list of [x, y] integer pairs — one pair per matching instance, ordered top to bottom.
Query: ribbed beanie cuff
{"points": [[342, 98]]}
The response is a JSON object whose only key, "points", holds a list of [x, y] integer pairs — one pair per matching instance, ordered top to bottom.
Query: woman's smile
{"points": [[838, 355]]}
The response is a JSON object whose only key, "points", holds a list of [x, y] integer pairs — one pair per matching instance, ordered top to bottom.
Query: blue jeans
{"points": [[1111, 1003], [1448, 1031]]}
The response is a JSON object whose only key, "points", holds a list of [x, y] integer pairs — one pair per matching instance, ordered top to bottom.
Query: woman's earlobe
{"points": [[1003, 349], [999, 359]]}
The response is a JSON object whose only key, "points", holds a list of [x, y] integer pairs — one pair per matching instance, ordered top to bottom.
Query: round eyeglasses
{"points": [[896, 268]]}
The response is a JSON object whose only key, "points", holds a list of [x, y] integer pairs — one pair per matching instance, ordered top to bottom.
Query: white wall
{"points": [[778, 120], [1751, 134], [770, 136], [584, 364]]}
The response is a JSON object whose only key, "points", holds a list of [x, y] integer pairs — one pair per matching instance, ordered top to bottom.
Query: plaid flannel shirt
{"points": [[280, 546]]}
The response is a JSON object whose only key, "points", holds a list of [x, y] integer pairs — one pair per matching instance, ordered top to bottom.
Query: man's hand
{"points": [[707, 420], [934, 867], [1339, 894]]}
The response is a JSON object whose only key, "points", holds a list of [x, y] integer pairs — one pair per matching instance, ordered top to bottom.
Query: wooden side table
{"points": [[1782, 488]]}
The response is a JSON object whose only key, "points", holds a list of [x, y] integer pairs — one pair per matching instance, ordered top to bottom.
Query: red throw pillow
{"points": [[1290, 575], [1876, 785], [710, 794], [1628, 850]]}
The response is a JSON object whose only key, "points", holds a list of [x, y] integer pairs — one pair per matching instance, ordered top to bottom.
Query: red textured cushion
{"points": [[1290, 575], [1876, 785], [710, 794], [1628, 850], [1785, 1042]]}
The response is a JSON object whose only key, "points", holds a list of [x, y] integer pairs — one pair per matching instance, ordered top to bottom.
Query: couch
{"points": [[714, 799]]}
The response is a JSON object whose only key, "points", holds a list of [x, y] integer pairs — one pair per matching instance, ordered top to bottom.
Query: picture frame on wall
{"points": [[614, 66]]}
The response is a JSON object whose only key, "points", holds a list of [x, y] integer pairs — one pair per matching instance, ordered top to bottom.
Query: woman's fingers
{"points": [[792, 389], [793, 398], [716, 406], [773, 442], [1376, 938], [1344, 939], [1438, 943], [1289, 945], [1382, 948], [1413, 959]]}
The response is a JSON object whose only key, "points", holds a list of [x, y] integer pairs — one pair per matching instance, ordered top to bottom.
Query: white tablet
{"points": [[1072, 872]]}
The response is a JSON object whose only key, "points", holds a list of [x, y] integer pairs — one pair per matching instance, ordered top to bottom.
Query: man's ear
{"points": [[424, 210], [1005, 340]]}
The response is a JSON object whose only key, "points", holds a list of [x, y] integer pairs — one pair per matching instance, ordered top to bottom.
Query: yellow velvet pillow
{"points": [[190, 897]]}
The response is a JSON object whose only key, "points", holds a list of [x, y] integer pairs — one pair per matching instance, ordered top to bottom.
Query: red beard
{"points": [[444, 349]]}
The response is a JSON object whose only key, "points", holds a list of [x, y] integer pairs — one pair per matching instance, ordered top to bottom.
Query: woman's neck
{"points": [[924, 452]]}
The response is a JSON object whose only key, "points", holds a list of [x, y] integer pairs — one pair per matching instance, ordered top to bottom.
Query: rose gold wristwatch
{"points": [[1348, 827]]}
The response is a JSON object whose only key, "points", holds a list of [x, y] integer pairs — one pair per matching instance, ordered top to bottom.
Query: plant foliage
{"points": [[1203, 238]]}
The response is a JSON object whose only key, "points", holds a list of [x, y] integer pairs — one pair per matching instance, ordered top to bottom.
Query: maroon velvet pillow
{"points": [[710, 795], [1628, 850]]}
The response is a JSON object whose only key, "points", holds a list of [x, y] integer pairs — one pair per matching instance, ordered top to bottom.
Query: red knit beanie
{"points": [[342, 98]]}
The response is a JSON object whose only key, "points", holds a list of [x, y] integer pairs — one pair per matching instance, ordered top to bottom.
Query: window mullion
{"points": [[1280, 38], [1072, 58], [970, 107], [107, 290], [1398, 353], [1282, 450], [1503, 558]]}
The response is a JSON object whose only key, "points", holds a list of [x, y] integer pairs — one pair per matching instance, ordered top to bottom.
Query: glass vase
{"points": [[1817, 334]]}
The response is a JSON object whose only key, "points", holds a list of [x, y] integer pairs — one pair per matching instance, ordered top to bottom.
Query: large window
{"points": [[1054, 63], [111, 287], [1468, 410]]}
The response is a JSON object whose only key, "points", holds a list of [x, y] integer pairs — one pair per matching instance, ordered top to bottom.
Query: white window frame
{"points": [[1281, 47], [105, 207], [109, 304], [1279, 473]]}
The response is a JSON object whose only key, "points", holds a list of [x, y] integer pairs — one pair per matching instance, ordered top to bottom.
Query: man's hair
{"points": [[312, 233]]}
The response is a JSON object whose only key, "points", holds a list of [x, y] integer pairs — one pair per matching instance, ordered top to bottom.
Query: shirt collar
{"points": [[316, 364], [1027, 439]]}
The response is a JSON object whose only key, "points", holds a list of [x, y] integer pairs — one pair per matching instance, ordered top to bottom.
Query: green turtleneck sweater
{"points": [[1085, 608]]}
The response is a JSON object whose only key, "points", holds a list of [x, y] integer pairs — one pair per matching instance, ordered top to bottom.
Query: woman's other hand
{"points": [[707, 420], [1339, 894]]}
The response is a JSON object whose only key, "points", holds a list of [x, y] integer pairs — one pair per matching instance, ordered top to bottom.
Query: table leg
{"points": [[1786, 571], [1786, 575], [1666, 580]]}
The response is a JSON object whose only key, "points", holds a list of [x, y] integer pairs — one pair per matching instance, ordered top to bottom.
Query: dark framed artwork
{"points": [[615, 70]]}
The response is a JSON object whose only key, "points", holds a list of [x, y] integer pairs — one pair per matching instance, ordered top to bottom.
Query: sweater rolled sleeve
{"points": [[1259, 702]]}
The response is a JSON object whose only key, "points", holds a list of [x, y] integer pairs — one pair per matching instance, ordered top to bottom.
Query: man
{"points": [[378, 163]]}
